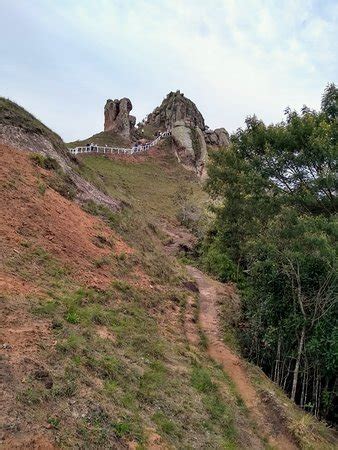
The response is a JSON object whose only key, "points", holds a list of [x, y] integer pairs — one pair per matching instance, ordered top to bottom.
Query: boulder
{"points": [[117, 118], [182, 137], [218, 137], [190, 145]]}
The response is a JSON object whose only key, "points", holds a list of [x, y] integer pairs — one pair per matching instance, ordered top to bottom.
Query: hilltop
{"points": [[177, 113], [109, 339]]}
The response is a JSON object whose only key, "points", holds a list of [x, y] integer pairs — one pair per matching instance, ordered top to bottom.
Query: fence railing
{"points": [[103, 149]]}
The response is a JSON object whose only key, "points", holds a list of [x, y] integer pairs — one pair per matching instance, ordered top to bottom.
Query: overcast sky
{"points": [[61, 59]]}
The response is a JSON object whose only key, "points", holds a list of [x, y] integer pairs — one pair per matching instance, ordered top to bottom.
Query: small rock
{"points": [[6, 346], [44, 376]]}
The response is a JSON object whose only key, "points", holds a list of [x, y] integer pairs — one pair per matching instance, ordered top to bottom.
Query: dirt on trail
{"points": [[269, 426]]}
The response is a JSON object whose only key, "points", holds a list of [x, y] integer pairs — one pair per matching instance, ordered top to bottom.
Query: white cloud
{"points": [[233, 58]]}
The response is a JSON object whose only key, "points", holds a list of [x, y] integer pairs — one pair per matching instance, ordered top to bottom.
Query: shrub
{"points": [[46, 162], [64, 185], [216, 261]]}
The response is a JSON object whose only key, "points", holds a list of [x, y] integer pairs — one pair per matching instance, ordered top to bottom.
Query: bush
{"points": [[46, 162], [64, 185], [219, 263]]}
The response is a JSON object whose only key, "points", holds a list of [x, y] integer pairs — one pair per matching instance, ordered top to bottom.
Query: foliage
{"points": [[46, 162], [63, 184], [275, 204], [188, 213]]}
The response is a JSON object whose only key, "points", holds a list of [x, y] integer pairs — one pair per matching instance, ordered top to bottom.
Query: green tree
{"points": [[274, 205]]}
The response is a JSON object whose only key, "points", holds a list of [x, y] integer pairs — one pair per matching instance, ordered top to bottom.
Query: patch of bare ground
{"points": [[35, 215], [39, 228], [179, 239], [11, 284], [190, 325], [105, 333], [21, 339], [270, 424], [38, 442], [154, 442]]}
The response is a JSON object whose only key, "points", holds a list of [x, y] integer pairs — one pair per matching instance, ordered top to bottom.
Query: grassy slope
{"points": [[102, 138], [149, 185], [150, 188], [122, 370]]}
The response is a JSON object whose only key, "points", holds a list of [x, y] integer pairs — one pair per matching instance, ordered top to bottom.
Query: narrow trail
{"points": [[268, 425]]}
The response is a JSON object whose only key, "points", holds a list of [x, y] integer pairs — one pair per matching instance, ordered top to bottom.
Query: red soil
{"points": [[35, 216], [50, 221]]}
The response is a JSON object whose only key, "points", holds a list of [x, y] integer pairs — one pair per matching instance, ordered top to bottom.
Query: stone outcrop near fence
{"points": [[93, 148]]}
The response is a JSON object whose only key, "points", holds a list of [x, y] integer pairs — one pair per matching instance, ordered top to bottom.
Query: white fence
{"points": [[94, 148]]}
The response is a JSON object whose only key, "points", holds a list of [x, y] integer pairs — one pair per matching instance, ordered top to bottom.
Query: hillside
{"points": [[20, 127], [103, 138], [108, 339]]}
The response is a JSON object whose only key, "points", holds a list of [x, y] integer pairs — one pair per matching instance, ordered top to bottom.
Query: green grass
{"points": [[103, 138], [46, 162], [150, 186], [149, 189], [35, 263], [201, 380], [141, 386], [111, 391], [220, 413]]}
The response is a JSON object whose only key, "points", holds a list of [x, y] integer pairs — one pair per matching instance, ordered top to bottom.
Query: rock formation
{"points": [[175, 107], [177, 113], [117, 118], [190, 134], [218, 137], [191, 148]]}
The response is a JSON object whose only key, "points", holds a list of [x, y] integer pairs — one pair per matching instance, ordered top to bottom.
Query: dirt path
{"points": [[269, 425]]}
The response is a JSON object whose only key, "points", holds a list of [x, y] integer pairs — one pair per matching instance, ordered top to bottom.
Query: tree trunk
{"points": [[277, 362], [296, 371], [287, 375], [304, 384]]}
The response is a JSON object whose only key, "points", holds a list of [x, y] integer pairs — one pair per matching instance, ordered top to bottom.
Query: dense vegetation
{"points": [[274, 232]]}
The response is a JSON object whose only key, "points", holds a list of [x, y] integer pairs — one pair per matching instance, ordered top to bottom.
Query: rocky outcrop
{"points": [[175, 107], [117, 118], [218, 137], [190, 144]]}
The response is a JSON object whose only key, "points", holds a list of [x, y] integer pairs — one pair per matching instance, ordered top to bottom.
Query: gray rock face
{"points": [[175, 107], [117, 118], [182, 137], [218, 137], [190, 145]]}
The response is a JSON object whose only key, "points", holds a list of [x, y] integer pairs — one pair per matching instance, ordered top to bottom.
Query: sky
{"points": [[61, 60]]}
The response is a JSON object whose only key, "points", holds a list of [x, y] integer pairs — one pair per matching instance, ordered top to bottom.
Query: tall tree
{"points": [[275, 204]]}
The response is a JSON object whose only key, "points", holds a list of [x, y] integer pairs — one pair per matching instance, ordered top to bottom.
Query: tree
{"points": [[330, 101], [274, 204]]}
